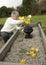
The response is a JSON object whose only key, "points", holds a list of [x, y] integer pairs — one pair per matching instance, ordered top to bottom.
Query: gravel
{"points": [[21, 45]]}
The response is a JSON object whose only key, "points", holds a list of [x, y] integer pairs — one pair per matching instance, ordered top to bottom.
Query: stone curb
{"points": [[43, 36], [7, 45]]}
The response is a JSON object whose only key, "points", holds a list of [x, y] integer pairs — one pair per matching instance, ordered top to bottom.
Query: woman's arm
{"points": [[16, 22]]}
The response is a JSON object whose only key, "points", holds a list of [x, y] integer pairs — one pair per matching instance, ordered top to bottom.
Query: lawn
{"points": [[41, 18], [2, 20]]}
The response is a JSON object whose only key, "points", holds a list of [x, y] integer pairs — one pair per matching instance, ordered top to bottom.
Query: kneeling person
{"points": [[9, 26]]}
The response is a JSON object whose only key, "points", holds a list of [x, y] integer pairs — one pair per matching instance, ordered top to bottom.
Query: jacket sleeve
{"points": [[16, 22]]}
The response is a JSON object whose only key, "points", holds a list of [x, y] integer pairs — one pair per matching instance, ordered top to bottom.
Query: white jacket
{"points": [[10, 25]]}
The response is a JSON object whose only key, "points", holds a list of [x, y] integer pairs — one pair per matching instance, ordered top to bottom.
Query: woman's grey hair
{"points": [[15, 13]]}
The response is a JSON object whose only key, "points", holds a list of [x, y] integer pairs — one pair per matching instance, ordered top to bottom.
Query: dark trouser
{"points": [[6, 35]]}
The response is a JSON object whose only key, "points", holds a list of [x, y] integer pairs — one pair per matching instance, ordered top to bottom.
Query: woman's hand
{"points": [[21, 28]]}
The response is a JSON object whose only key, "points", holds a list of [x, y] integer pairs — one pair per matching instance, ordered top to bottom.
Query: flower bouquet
{"points": [[27, 26]]}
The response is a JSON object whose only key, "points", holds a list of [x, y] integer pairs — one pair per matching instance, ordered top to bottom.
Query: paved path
{"points": [[17, 50]]}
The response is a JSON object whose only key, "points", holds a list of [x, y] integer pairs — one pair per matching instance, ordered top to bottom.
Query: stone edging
{"points": [[43, 36], [7, 45]]}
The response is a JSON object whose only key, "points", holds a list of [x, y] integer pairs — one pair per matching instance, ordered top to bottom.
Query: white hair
{"points": [[14, 13]]}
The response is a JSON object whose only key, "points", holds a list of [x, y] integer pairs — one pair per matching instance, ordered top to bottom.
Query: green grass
{"points": [[41, 18], [2, 20]]}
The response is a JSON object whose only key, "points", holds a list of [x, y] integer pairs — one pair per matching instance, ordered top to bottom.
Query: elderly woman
{"points": [[10, 24]]}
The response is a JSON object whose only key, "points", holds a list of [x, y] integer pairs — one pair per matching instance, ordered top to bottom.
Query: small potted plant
{"points": [[27, 26]]}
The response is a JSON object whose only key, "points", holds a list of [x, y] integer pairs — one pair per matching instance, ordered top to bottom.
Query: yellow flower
{"points": [[29, 16], [21, 18], [28, 19], [26, 22], [32, 49], [37, 50], [31, 52], [27, 53], [33, 55], [23, 61]]}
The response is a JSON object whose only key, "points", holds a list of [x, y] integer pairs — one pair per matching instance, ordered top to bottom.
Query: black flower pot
{"points": [[28, 30]]}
